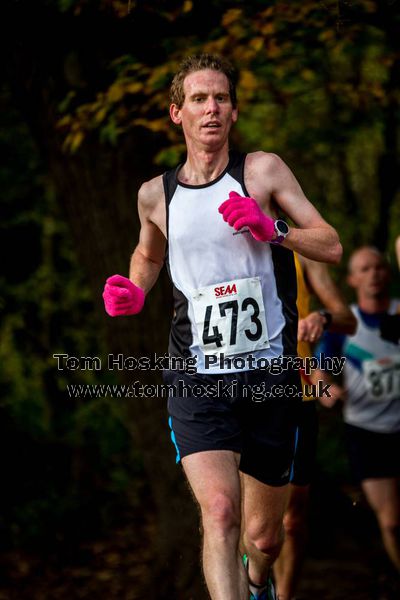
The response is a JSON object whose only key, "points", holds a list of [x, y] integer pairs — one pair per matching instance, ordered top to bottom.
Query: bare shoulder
{"points": [[266, 162], [264, 174], [151, 193], [151, 204]]}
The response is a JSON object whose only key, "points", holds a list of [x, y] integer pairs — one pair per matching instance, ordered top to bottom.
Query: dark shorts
{"points": [[252, 413], [306, 444], [372, 455]]}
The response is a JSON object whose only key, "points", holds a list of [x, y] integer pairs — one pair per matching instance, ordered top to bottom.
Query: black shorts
{"points": [[252, 413], [306, 444], [372, 455]]}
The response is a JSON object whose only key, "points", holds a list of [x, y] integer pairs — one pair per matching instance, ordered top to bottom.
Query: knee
{"points": [[220, 514], [388, 518], [390, 527], [266, 539]]}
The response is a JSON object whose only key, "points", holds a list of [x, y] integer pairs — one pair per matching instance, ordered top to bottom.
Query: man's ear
{"points": [[175, 114], [235, 114]]}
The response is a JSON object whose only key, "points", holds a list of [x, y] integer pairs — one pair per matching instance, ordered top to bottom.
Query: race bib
{"points": [[230, 317], [382, 377]]}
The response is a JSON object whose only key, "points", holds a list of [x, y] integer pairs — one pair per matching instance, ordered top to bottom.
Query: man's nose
{"points": [[212, 105]]}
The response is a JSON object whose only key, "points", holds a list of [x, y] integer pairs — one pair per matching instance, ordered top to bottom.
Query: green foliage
{"points": [[66, 5], [316, 85]]}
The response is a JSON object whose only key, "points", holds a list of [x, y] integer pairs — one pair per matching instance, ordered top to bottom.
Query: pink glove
{"points": [[241, 211], [122, 297]]}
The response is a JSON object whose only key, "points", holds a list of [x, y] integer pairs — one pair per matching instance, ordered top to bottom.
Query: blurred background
{"points": [[92, 504]]}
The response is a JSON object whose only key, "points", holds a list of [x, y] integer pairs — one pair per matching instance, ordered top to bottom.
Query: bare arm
{"points": [[313, 237], [397, 248], [148, 256], [323, 286], [311, 328]]}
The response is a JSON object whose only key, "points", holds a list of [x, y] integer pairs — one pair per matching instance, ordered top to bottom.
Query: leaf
{"points": [[187, 6], [231, 16], [267, 29], [327, 35], [257, 43], [218, 45], [307, 74], [248, 81], [134, 87], [115, 92], [100, 114], [65, 121], [153, 124], [76, 140]]}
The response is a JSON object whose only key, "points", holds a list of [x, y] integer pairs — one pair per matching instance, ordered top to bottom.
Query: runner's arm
{"points": [[313, 237], [397, 248], [148, 257], [323, 286], [330, 345]]}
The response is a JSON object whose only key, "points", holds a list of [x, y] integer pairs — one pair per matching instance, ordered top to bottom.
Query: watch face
{"points": [[282, 227]]}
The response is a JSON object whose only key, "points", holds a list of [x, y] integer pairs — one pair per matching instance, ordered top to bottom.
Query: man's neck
{"points": [[202, 167], [374, 305]]}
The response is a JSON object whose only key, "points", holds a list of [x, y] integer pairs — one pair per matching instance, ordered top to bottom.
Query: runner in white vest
{"points": [[231, 264], [372, 392]]}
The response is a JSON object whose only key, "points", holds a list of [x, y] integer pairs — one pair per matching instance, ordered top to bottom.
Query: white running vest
{"points": [[233, 296], [372, 378]]}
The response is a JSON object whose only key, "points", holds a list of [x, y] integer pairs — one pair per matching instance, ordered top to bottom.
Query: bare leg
{"points": [[214, 479], [384, 498], [263, 510], [288, 564]]}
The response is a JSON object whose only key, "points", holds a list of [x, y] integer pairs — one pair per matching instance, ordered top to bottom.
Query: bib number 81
{"points": [[384, 383]]}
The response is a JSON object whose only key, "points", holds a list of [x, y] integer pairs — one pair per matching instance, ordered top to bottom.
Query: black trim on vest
{"points": [[236, 168], [170, 184], [202, 185], [286, 285], [180, 337]]}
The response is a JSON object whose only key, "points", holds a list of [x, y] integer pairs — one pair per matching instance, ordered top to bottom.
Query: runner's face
{"points": [[207, 114], [369, 274]]}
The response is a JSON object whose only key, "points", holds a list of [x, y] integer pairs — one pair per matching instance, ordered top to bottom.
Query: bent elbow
{"points": [[336, 253]]}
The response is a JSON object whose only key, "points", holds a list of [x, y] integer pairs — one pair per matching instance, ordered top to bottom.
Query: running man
{"points": [[312, 278], [234, 284], [372, 402]]}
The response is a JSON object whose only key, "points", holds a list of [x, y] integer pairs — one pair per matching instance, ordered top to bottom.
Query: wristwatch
{"points": [[281, 230], [328, 318]]}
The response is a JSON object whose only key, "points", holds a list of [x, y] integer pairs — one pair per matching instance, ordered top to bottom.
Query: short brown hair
{"points": [[199, 62]]}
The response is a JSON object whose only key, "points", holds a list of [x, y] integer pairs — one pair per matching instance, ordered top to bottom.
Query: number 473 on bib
{"points": [[230, 317]]}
